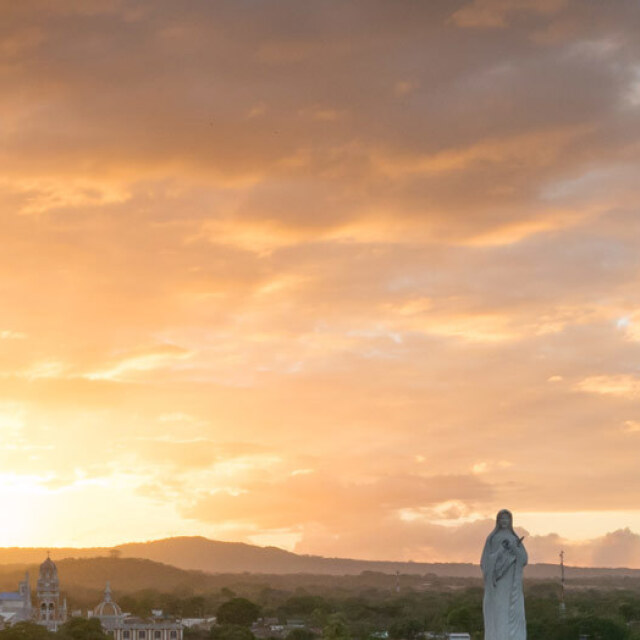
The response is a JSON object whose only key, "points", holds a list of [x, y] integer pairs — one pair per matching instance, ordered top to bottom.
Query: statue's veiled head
{"points": [[504, 519]]}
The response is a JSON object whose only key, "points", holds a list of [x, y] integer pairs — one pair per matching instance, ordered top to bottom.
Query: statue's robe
{"points": [[503, 605]]}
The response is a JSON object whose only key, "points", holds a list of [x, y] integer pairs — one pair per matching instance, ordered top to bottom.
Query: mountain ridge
{"points": [[197, 553]]}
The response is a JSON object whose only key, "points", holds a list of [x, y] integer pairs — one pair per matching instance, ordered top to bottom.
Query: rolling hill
{"points": [[215, 557]]}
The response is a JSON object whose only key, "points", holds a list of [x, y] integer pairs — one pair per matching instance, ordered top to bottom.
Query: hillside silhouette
{"points": [[212, 556], [167, 561], [125, 574]]}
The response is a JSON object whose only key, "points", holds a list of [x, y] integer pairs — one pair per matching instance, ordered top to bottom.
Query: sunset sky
{"points": [[345, 277]]}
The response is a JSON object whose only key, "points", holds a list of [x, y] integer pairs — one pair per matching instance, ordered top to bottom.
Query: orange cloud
{"points": [[301, 278]]}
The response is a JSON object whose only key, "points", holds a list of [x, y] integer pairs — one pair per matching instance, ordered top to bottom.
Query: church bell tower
{"points": [[49, 611]]}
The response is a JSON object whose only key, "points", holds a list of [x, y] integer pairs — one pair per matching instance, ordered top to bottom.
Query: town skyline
{"points": [[344, 279]]}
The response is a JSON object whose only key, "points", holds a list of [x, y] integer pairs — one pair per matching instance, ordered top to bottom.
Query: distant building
{"points": [[15, 606], [50, 612], [108, 612], [203, 624], [125, 627], [273, 628], [139, 629]]}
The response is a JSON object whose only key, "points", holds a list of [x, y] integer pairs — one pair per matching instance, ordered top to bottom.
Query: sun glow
{"points": [[254, 290]]}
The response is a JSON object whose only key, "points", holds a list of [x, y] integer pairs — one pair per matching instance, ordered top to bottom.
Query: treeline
{"points": [[368, 614], [591, 614], [73, 629]]}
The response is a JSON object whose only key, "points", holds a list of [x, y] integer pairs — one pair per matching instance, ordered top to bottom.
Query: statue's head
{"points": [[504, 519]]}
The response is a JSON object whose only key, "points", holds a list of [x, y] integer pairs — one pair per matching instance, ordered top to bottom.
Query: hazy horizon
{"points": [[345, 277], [167, 555]]}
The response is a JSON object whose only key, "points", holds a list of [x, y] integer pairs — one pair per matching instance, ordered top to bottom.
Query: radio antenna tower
{"points": [[562, 605]]}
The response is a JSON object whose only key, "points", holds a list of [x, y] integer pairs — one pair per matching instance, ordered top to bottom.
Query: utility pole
{"points": [[562, 604]]}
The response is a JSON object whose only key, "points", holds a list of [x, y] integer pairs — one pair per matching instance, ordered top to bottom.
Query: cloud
{"points": [[496, 13], [310, 274], [11, 335], [143, 360], [623, 386], [313, 505], [617, 549]]}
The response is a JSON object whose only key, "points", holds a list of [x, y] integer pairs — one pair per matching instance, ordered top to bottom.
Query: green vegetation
{"points": [[365, 607], [238, 611], [347, 611], [337, 628], [74, 629], [82, 629], [26, 631], [231, 632], [300, 634]]}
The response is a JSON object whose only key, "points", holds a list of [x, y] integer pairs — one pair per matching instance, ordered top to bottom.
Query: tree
{"points": [[304, 605], [238, 611], [465, 618], [408, 628], [601, 628], [82, 629], [336, 629], [26, 631], [231, 632], [194, 633], [300, 634]]}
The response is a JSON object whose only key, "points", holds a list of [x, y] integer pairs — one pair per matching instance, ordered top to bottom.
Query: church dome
{"points": [[107, 608]]}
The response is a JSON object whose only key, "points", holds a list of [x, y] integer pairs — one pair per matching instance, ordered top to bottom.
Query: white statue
{"points": [[503, 558]]}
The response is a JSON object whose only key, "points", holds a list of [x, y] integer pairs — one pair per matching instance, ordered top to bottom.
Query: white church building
{"points": [[15, 606], [50, 610], [126, 627]]}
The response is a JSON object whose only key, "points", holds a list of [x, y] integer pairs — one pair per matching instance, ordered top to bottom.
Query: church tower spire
{"points": [[49, 613]]}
